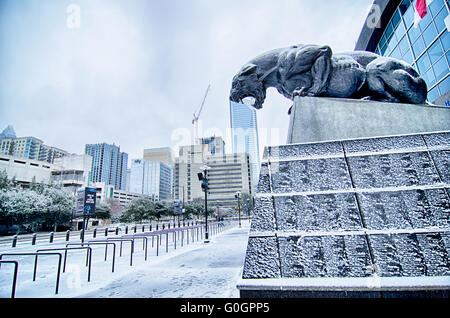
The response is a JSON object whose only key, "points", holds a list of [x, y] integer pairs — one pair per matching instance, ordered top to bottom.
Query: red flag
{"points": [[421, 8]]}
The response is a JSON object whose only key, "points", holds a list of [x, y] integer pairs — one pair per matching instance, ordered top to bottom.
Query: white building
{"points": [[26, 170], [72, 171]]}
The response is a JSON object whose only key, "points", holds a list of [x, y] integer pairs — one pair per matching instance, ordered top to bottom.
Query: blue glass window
{"points": [[404, 6], [435, 6], [408, 17], [396, 19], [439, 19], [425, 21], [389, 30], [400, 31], [413, 34], [429, 34], [445, 40], [382, 41], [391, 44], [403, 45], [418, 47], [383, 50], [435, 52], [396, 53], [407, 57], [423, 63], [440, 68], [429, 78], [444, 86], [433, 94]]}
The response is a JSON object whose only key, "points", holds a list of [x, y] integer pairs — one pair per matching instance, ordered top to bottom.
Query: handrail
{"points": [[36, 254], [14, 282]]}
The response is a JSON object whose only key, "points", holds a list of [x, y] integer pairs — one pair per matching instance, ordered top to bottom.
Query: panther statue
{"points": [[313, 70]]}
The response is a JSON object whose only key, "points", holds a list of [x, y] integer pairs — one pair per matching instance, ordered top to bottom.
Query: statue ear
{"points": [[248, 69]]}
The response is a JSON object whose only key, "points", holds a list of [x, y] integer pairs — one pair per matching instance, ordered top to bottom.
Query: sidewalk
{"points": [[207, 270]]}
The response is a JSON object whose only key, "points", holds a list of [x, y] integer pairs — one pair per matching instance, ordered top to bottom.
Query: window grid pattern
{"points": [[426, 48]]}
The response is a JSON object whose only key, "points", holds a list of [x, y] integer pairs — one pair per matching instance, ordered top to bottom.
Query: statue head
{"points": [[247, 83]]}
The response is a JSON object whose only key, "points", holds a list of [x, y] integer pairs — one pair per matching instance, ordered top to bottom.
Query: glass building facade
{"points": [[426, 47], [244, 135], [109, 165], [151, 178]]}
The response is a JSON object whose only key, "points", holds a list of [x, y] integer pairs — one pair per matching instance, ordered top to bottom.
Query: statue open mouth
{"points": [[249, 101]]}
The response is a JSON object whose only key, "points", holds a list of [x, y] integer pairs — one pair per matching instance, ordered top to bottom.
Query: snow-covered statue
{"points": [[313, 70]]}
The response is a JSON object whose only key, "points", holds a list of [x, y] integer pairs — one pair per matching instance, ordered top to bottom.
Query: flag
{"points": [[420, 10]]}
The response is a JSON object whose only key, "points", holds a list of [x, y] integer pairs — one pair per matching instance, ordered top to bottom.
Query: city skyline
{"points": [[134, 73]]}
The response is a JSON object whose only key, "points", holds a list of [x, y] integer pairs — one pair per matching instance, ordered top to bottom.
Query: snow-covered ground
{"points": [[196, 270]]}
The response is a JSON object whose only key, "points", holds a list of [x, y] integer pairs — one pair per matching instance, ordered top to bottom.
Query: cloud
{"points": [[135, 71]]}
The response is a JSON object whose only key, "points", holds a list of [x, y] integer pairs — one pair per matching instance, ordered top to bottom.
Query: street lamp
{"points": [[203, 178], [238, 197]]}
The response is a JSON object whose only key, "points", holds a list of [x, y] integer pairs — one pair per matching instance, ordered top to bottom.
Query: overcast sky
{"points": [[132, 72]]}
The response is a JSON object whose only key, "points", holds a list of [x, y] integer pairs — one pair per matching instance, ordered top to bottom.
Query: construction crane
{"points": [[196, 116]]}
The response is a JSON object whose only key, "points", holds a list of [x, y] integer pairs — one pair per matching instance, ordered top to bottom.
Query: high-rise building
{"points": [[426, 47], [8, 132], [244, 135], [30, 148], [163, 154], [109, 165], [228, 173], [151, 178]]}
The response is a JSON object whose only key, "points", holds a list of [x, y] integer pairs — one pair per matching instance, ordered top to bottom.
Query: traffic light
{"points": [[204, 184]]}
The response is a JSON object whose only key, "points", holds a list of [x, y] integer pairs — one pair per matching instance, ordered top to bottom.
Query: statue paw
{"points": [[299, 92]]}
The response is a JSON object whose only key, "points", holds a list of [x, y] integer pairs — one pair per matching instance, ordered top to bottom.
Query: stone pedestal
{"points": [[316, 119], [357, 216]]}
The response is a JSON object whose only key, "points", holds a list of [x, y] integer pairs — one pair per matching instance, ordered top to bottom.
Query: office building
{"points": [[426, 47], [244, 135], [163, 154], [109, 165], [72, 171], [228, 173], [151, 178]]}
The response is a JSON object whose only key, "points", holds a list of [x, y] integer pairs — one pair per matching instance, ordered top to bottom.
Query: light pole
{"points": [[203, 178], [238, 197]]}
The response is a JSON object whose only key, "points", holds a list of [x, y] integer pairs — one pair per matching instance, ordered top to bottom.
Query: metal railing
{"points": [[179, 234]]}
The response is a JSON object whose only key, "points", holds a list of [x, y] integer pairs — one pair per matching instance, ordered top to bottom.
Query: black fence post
{"points": [[126, 229], [106, 231], [94, 234], [67, 235], [51, 237], [33, 239], [14, 241]]}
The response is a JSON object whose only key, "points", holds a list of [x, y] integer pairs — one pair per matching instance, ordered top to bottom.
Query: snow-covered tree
{"points": [[22, 206], [60, 206], [138, 210]]}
